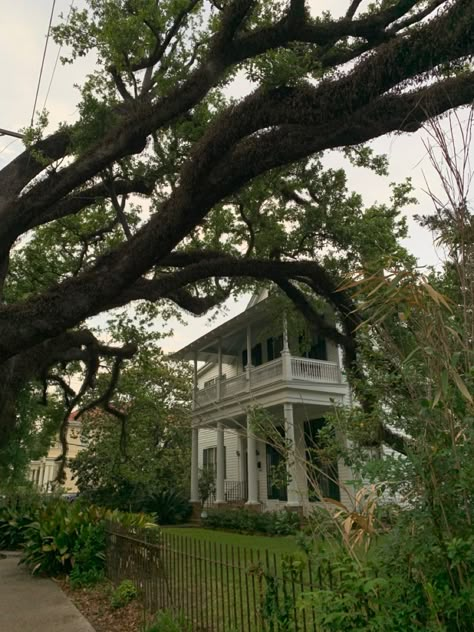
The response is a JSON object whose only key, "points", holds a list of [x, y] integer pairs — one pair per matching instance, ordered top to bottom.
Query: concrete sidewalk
{"points": [[32, 604]]}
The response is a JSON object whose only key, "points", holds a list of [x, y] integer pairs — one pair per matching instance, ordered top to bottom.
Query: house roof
{"points": [[230, 334]]}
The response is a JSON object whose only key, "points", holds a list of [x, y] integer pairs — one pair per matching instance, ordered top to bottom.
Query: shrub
{"points": [[169, 506], [17, 512], [244, 521], [13, 527], [59, 531], [64, 534], [80, 578], [125, 592], [167, 621]]}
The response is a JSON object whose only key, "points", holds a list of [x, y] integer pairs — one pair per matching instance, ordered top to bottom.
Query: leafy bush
{"points": [[169, 506], [17, 512], [244, 521], [13, 527], [58, 532], [63, 535], [89, 558], [80, 578], [125, 592], [167, 621]]}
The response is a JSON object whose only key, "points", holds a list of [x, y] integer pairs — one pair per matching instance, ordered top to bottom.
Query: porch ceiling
{"points": [[230, 333]]}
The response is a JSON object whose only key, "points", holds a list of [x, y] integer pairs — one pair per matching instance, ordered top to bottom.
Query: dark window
{"points": [[274, 348], [317, 350], [256, 356], [209, 460], [321, 471], [276, 475]]}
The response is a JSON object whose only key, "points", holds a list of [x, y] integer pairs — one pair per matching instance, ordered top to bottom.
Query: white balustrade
{"points": [[301, 369], [315, 370], [267, 372], [234, 385], [206, 395]]}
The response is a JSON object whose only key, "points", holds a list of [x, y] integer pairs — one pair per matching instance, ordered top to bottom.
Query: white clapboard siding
{"points": [[211, 371], [208, 439]]}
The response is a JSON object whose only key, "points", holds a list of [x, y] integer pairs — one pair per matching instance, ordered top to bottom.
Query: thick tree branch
{"points": [[455, 26], [22, 169], [77, 201], [98, 287]]}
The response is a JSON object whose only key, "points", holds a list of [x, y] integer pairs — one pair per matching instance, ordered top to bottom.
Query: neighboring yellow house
{"points": [[43, 472]]}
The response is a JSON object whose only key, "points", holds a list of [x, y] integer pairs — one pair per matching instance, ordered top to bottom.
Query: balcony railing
{"points": [[297, 369], [315, 370], [234, 492]]}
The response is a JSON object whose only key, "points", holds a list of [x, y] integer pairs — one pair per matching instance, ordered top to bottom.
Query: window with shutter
{"points": [[209, 459]]}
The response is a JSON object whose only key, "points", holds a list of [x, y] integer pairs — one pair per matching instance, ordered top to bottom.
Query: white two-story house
{"points": [[250, 369]]}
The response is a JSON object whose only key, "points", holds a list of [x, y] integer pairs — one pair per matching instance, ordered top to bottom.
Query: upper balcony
{"points": [[254, 357], [293, 371]]}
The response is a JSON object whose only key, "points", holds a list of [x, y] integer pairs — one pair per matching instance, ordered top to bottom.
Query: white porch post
{"points": [[285, 353], [249, 355], [219, 369], [195, 379], [242, 446], [291, 465], [194, 466], [43, 468], [220, 470], [47, 471], [252, 473], [51, 476]]}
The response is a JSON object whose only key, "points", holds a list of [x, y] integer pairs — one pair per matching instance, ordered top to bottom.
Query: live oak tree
{"points": [[167, 190], [124, 464]]}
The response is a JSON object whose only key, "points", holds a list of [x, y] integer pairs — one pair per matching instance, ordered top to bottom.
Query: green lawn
{"points": [[274, 544], [221, 578]]}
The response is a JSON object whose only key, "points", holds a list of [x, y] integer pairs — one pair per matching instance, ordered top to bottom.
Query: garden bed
{"points": [[94, 604]]}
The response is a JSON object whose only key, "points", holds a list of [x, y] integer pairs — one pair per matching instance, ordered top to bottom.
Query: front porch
{"points": [[253, 470]]}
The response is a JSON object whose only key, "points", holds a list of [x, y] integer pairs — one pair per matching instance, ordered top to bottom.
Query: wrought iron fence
{"points": [[217, 587]]}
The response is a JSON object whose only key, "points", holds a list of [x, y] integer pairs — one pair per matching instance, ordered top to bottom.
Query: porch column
{"points": [[285, 352], [249, 355], [219, 369], [195, 380], [242, 446], [291, 465], [194, 466], [43, 468], [220, 470], [252, 472], [50, 476], [46, 477]]}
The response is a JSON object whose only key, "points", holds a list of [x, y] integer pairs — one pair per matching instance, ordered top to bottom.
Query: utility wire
{"points": [[57, 58], [42, 61], [8, 145]]}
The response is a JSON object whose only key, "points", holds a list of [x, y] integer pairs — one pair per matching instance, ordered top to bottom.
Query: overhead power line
{"points": [[57, 58], [42, 61]]}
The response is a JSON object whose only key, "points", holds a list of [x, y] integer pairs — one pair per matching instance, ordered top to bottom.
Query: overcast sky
{"points": [[23, 29]]}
